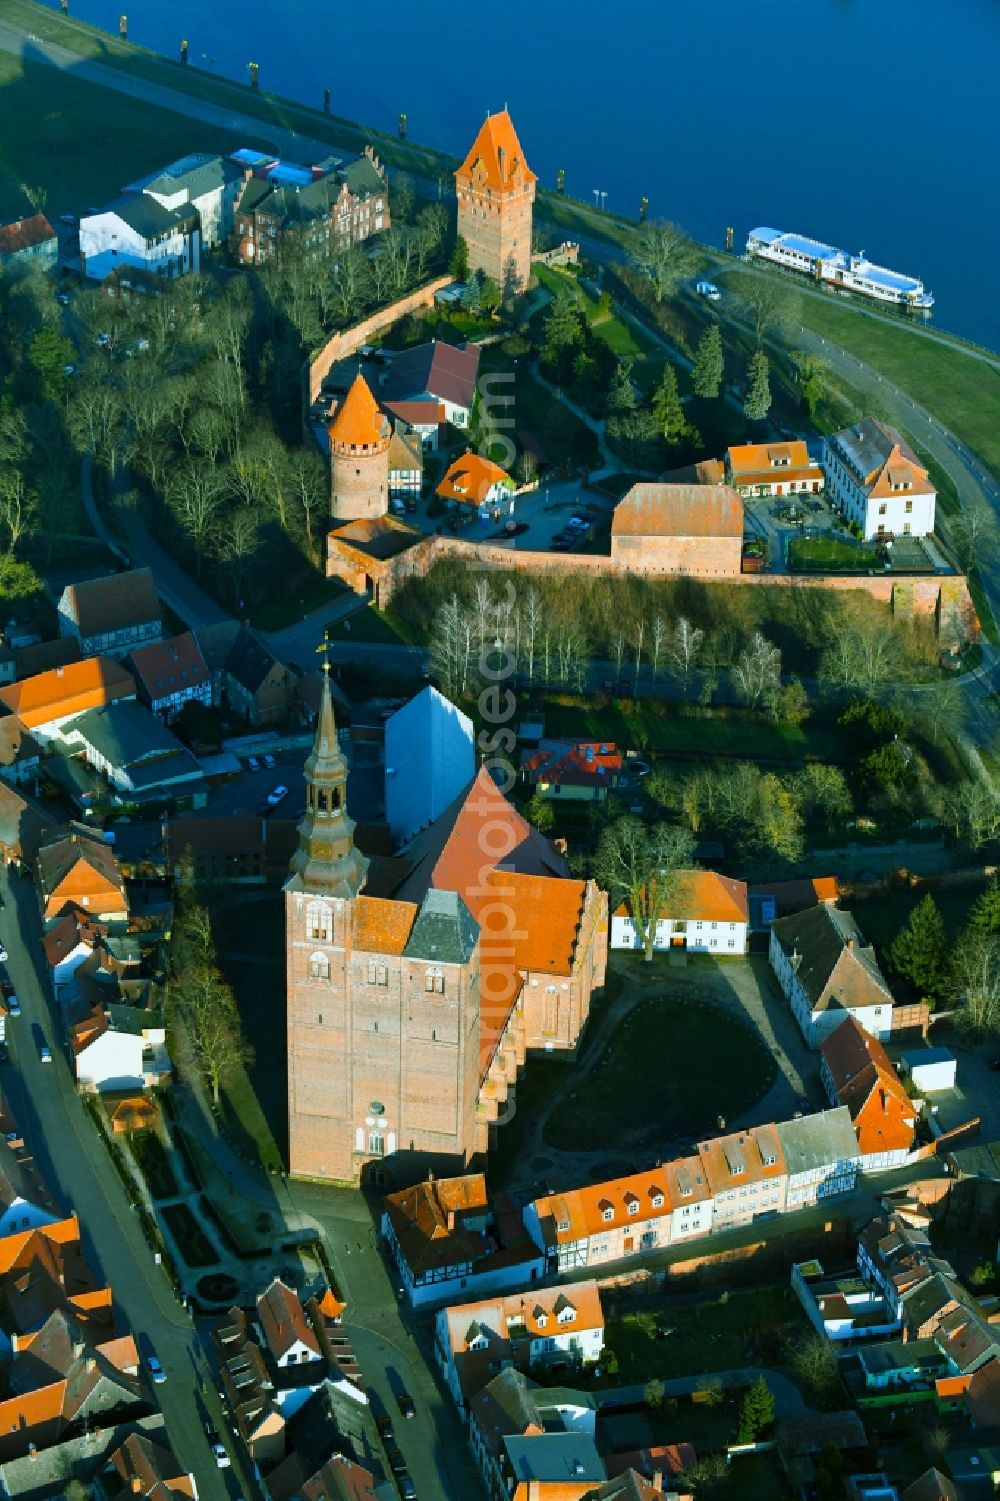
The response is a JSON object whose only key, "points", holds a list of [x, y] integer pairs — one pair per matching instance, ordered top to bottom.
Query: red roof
{"points": [[495, 159], [24, 233], [358, 421]]}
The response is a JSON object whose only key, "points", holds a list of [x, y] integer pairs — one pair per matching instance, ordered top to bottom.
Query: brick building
{"points": [[495, 188], [326, 208], [360, 435], [695, 530], [407, 1017]]}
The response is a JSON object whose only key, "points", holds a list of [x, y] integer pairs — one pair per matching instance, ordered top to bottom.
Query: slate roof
{"points": [[196, 175], [150, 220], [444, 371], [113, 603], [231, 647], [167, 667], [130, 738], [445, 932], [835, 967], [814, 1141], [553, 1457]]}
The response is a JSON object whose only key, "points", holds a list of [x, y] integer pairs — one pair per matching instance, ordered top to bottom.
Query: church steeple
{"points": [[326, 860]]}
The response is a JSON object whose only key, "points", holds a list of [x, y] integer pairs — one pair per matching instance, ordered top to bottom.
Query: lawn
{"points": [[58, 134], [565, 439], [826, 554], [275, 614], [369, 624], [737, 734], [671, 1069], [151, 1159]]}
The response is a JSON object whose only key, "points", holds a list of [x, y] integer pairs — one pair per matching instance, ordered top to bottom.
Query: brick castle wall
{"points": [[340, 345]]}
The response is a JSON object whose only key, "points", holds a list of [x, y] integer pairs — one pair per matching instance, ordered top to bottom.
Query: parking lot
{"points": [[767, 518]]}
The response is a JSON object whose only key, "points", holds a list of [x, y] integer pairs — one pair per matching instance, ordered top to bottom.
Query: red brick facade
{"points": [[495, 189]]}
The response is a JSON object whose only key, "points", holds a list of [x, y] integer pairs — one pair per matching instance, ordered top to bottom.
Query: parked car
{"points": [[67, 218], [708, 289], [63, 299], [102, 341], [269, 763], [253, 764], [278, 795], [3, 954], [13, 1005], [44, 1051], [4, 1055], [995, 1063], [155, 1369], [406, 1405], [383, 1423], [217, 1447], [394, 1459], [407, 1489]]}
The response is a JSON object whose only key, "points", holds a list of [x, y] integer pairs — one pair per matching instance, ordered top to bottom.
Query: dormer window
{"points": [[657, 1201], [631, 1203], [607, 1210], [542, 1320]]}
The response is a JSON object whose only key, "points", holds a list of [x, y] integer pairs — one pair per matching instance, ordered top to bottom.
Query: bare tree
{"points": [[664, 255], [770, 306], [307, 482], [194, 494], [18, 506], [975, 525], [237, 544], [531, 618], [639, 634], [657, 638], [685, 646], [618, 653], [571, 655], [863, 657], [758, 670], [636, 864], [977, 983]]}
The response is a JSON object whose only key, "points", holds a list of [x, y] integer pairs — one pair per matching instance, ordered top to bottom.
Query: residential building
{"points": [[206, 183], [495, 189], [326, 208], [138, 233], [30, 242], [441, 378], [419, 419], [359, 437], [406, 464], [758, 469], [473, 480], [876, 480], [696, 530], [111, 615], [169, 674], [247, 678], [49, 700], [20, 752], [430, 758], [142, 760], [583, 770], [23, 826], [242, 850], [76, 869], [771, 899], [702, 911], [67, 944], [363, 972], [828, 973], [119, 1048], [857, 1073], [822, 1156], [747, 1174], [25, 1202], [633, 1216], [446, 1240], [897, 1258], [288, 1337], [474, 1341], [513, 1404], [550, 1466], [144, 1467], [635, 1485], [932, 1485]]}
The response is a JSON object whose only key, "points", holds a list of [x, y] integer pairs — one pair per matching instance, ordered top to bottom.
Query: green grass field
{"points": [[78, 145], [565, 439], [820, 554], [739, 734], [679, 1064]]}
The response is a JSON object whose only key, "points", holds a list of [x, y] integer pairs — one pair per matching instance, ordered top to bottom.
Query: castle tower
{"points": [[495, 189], [359, 435]]}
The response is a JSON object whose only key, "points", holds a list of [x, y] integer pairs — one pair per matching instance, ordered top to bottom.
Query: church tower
{"points": [[495, 189], [359, 435], [327, 873]]}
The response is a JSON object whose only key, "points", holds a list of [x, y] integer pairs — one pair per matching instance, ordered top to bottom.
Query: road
{"points": [[75, 1164]]}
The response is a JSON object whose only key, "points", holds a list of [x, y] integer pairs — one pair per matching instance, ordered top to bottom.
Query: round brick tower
{"points": [[359, 436]]}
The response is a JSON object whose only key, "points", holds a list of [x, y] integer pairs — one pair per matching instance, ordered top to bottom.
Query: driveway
{"points": [[76, 1166]]}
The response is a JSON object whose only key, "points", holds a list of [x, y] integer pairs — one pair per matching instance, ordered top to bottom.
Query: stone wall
{"points": [[340, 345], [684, 557], [946, 598]]}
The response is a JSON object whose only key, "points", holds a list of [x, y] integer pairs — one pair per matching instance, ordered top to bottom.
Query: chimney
{"points": [[501, 160], [451, 1219], [78, 1348], [32, 1452], [657, 1480], [137, 1485]]}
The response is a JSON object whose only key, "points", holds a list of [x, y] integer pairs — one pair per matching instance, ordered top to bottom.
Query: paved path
{"points": [[75, 1163]]}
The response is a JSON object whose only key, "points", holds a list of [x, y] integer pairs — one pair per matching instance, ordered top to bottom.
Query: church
{"points": [[410, 1014]]}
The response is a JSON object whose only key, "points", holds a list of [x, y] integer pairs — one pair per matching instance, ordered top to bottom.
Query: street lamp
{"points": [[597, 193], [604, 200]]}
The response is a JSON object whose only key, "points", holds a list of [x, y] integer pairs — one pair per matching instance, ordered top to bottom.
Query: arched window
{"points": [[318, 921], [319, 967], [434, 981]]}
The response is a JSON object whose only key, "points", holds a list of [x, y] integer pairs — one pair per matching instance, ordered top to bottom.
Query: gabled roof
{"points": [[495, 158], [150, 220], [24, 233], [445, 372], [358, 421], [871, 449], [405, 452], [763, 463], [470, 478], [657, 510], [114, 603], [171, 666], [65, 691], [131, 738], [16, 742], [582, 763], [23, 824], [78, 850], [702, 896], [548, 911], [379, 926], [832, 963], [849, 1050], [815, 1141], [751, 1156], [579, 1213], [429, 1222], [533, 1310], [283, 1320], [144, 1467], [340, 1479], [932, 1486]]}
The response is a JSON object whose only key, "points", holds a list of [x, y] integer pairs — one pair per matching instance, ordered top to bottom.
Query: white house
{"points": [[208, 184], [139, 232], [874, 478], [170, 674], [429, 760], [703, 912], [68, 944], [828, 973], [119, 1048], [931, 1069], [822, 1157], [533, 1328], [287, 1334]]}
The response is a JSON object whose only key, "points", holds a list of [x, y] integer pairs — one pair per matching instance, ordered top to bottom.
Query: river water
{"points": [[871, 124]]}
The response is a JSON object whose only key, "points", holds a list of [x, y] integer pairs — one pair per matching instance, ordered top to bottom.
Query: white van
{"points": [[708, 289]]}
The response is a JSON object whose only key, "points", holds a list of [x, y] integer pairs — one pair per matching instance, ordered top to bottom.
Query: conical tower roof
{"points": [[495, 159], [358, 419]]}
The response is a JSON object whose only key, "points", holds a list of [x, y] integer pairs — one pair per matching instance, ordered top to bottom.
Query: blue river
{"points": [[871, 124]]}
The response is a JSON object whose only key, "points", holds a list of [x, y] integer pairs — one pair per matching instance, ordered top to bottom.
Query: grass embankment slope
{"points": [[52, 137], [562, 213]]}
